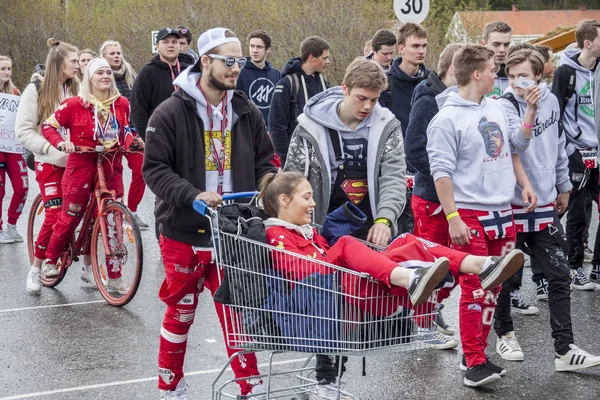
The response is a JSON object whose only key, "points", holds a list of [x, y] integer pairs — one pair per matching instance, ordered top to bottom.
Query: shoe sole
{"points": [[7, 241], [509, 265], [436, 273], [584, 288], [33, 291], [543, 297], [525, 312], [445, 331], [447, 346], [511, 359], [463, 367], [567, 368], [484, 382]]}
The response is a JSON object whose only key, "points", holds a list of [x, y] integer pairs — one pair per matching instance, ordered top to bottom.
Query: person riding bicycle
{"points": [[48, 88], [98, 118], [287, 198]]}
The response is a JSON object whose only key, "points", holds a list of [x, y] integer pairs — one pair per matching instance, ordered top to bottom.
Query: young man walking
{"points": [[383, 48], [259, 77], [301, 78], [572, 86], [205, 140], [471, 154]]}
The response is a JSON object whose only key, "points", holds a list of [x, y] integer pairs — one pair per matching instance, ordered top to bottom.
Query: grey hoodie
{"points": [[580, 129], [310, 153], [545, 161], [481, 170]]}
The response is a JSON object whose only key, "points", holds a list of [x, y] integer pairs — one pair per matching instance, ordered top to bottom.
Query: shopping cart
{"points": [[331, 310]]}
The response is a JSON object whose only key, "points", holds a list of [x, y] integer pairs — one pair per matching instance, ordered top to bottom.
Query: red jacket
{"points": [[79, 119]]}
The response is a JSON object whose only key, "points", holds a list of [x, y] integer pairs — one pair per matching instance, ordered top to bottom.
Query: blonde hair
{"points": [[471, 58], [445, 60], [128, 71], [365, 74], [8, 87], [86, 88], [51, 93], [273, 184]]}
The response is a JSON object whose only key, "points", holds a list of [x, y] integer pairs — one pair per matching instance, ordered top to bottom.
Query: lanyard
{"points": [[172, 74], [219, 156]]}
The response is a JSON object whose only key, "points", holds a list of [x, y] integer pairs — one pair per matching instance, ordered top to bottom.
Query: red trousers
{"points": [[14, 165], [49, 179], [77, 185], [138, 186], [181, 261], [476, 309]]}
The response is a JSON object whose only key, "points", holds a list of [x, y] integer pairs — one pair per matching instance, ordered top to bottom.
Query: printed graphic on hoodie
{"points": [[261, 92], [584, 99], [492, 138], [214, 150]]}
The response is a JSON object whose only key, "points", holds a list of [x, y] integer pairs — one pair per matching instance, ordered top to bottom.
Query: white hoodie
{"points": [[187, 81], [469, 143]]}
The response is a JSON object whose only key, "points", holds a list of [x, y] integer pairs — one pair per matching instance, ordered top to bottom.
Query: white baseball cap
{"points": [[213, 38]]}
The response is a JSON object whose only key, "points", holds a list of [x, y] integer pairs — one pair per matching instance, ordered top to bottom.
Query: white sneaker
{"points": [[140, 223], [11, 230], [5, 238], [49, 270], [88, 277], [34, 284], [117, 285], [437, 340], [508, 347], [575, 358], [180, 392], [259, 392], [330, 392]]}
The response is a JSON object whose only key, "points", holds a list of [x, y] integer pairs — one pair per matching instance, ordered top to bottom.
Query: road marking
{"points": [[51, 306], [131, 381]]}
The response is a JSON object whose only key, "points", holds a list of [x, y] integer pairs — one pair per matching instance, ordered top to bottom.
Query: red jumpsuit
{"points": [[14, 165], [80, 171], [406, 251]]}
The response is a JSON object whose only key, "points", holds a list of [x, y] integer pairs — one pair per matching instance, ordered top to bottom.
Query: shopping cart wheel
{"points": [[303, 396]]}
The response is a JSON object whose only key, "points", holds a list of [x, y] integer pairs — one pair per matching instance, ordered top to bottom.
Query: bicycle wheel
{"points": [[37, 214], [34, 224], [119, 272]]}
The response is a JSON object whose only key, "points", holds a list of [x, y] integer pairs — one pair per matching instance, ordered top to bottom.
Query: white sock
{"points": [[11, 226], [486, 264], [86, 268], [35, 270], [411, 277]]}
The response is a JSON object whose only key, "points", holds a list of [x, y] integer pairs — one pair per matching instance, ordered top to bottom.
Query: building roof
{"points": [[526, 23]]}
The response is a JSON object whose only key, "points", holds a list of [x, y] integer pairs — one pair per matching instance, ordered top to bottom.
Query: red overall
{"points": [[14, 165], [49, 178], [78, 178], [138, 186], [181, 260], [476, 309]]}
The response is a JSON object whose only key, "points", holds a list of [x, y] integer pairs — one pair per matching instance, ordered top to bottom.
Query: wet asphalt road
{"points": [[68, 344]]}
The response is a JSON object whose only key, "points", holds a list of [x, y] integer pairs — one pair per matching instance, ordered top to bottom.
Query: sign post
{"points": [[411, 10], [154, 35]]}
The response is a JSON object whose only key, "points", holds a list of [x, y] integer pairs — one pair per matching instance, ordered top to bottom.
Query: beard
{"points": [[217, 84]]}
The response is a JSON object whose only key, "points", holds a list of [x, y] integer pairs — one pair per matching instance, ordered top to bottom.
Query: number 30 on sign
{"points": [[411, 10]]}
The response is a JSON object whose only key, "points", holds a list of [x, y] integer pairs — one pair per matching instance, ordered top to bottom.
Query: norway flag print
{"points": [[589, 157], [496, 224]]}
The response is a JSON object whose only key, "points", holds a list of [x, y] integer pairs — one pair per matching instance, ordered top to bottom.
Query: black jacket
{"points": [[153, 85], [123, 88], [402, 91], [424, 108], [282, 122], [174, 167]]}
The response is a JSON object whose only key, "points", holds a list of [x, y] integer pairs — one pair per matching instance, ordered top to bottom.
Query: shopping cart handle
{"points": [[200, 205]]}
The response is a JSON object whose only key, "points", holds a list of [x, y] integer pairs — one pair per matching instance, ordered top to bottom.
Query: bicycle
{"points": [[108, 230]]}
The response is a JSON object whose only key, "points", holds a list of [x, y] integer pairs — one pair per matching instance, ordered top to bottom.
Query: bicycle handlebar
{"points": [[200, 205]]}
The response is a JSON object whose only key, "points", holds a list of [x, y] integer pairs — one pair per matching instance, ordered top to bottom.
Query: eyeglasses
{"points": [[230, 61]]}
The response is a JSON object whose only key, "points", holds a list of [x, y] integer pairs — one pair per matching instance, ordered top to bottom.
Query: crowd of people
{"points": [[476, 163]]}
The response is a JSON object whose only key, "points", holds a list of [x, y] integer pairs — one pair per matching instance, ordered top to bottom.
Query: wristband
{"points": [[526, 125], [452, 215], [383, 221]]}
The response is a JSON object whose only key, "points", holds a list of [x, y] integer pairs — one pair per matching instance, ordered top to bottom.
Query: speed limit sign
{"points": [[411, 10]]}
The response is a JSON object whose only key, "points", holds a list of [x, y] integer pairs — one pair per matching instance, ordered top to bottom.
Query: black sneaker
{"points": [[501, 269], [595, 274], [426, 280], [579, 281], [542, 289], [520, 306], [442, 326], [488, 364], [480, 375]]}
